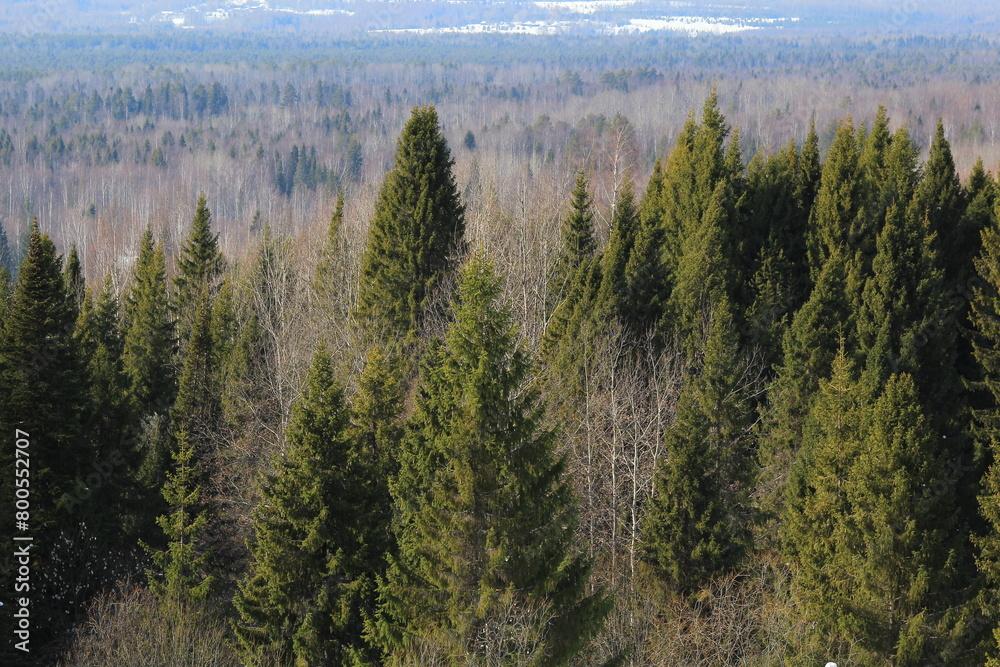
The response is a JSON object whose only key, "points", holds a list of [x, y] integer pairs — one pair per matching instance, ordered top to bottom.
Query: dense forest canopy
{"points": [[392, 350]]}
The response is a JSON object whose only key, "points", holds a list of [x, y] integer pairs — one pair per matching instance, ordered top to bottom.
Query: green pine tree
{"points": [[416, 234], [577, 247], [199, 265], [76, 286], [985, 318], [148, 346], [44, 400], [484, 517], [697, 523], [870, 529], [179, 576], [312, 576]]}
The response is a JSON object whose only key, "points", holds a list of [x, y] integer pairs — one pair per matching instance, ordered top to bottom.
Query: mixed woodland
{"points": [[402, 384]]}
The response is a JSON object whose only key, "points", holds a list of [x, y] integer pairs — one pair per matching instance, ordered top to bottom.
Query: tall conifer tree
{"points": [[416, 233], [578, 244], [199, 264], [148, 346], [484, 517], [697, 523], [312, 576]]}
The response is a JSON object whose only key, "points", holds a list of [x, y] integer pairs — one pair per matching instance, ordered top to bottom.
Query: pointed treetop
{"points": [[416, 234], [200, 258]]}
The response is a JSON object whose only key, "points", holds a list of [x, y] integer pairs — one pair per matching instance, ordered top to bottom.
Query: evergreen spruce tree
{"points": [[693, 171], [807, 178], [940, 204], [837, 218], [416, 233], [578, 244], [199, 264], [645, 271], [704, 274], [332, 278], [76, 287], [6, 291], [613, 294], [985, 317], [905, 324], [148, 346], [808, 350], [148, 357], [44, 380], [44, 400], [198, 404], [376, 411], [111, 426], [815, 506], [484, 518], [697, 523], [870, 523], [179, 577], [312, 582]]}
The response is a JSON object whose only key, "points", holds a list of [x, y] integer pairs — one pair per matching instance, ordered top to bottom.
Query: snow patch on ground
{"points": [[585, 6]]}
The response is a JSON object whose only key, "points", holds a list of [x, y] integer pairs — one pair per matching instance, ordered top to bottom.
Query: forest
{"points": [[623, 363]]}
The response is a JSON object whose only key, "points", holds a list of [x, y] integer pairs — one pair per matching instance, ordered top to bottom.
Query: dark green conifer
{"points": [[939, 203], [837, 219], [416, 234], [577, 247], [7, 261], [199, 264], [645, 271], [704, 273], [76, 286], [613, 296], [985, 318], [148, 346], [809, 347], [44, 381], [44, 400], [198, 406], [484, 517], [697, 523], [869, 523], [179, 576], [312, 577]]}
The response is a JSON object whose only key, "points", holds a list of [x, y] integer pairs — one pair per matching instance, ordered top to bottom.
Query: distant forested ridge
{"points": [[744, 411]]}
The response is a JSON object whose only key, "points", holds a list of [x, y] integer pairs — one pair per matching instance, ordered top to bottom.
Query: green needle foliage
{"points": [[416, 234], [578, 244], [199, 264], [985, 317], [149, 346], [44, 380], [484, 516], [696, 524], [870, 528], [179, 577], [312, 582]]}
